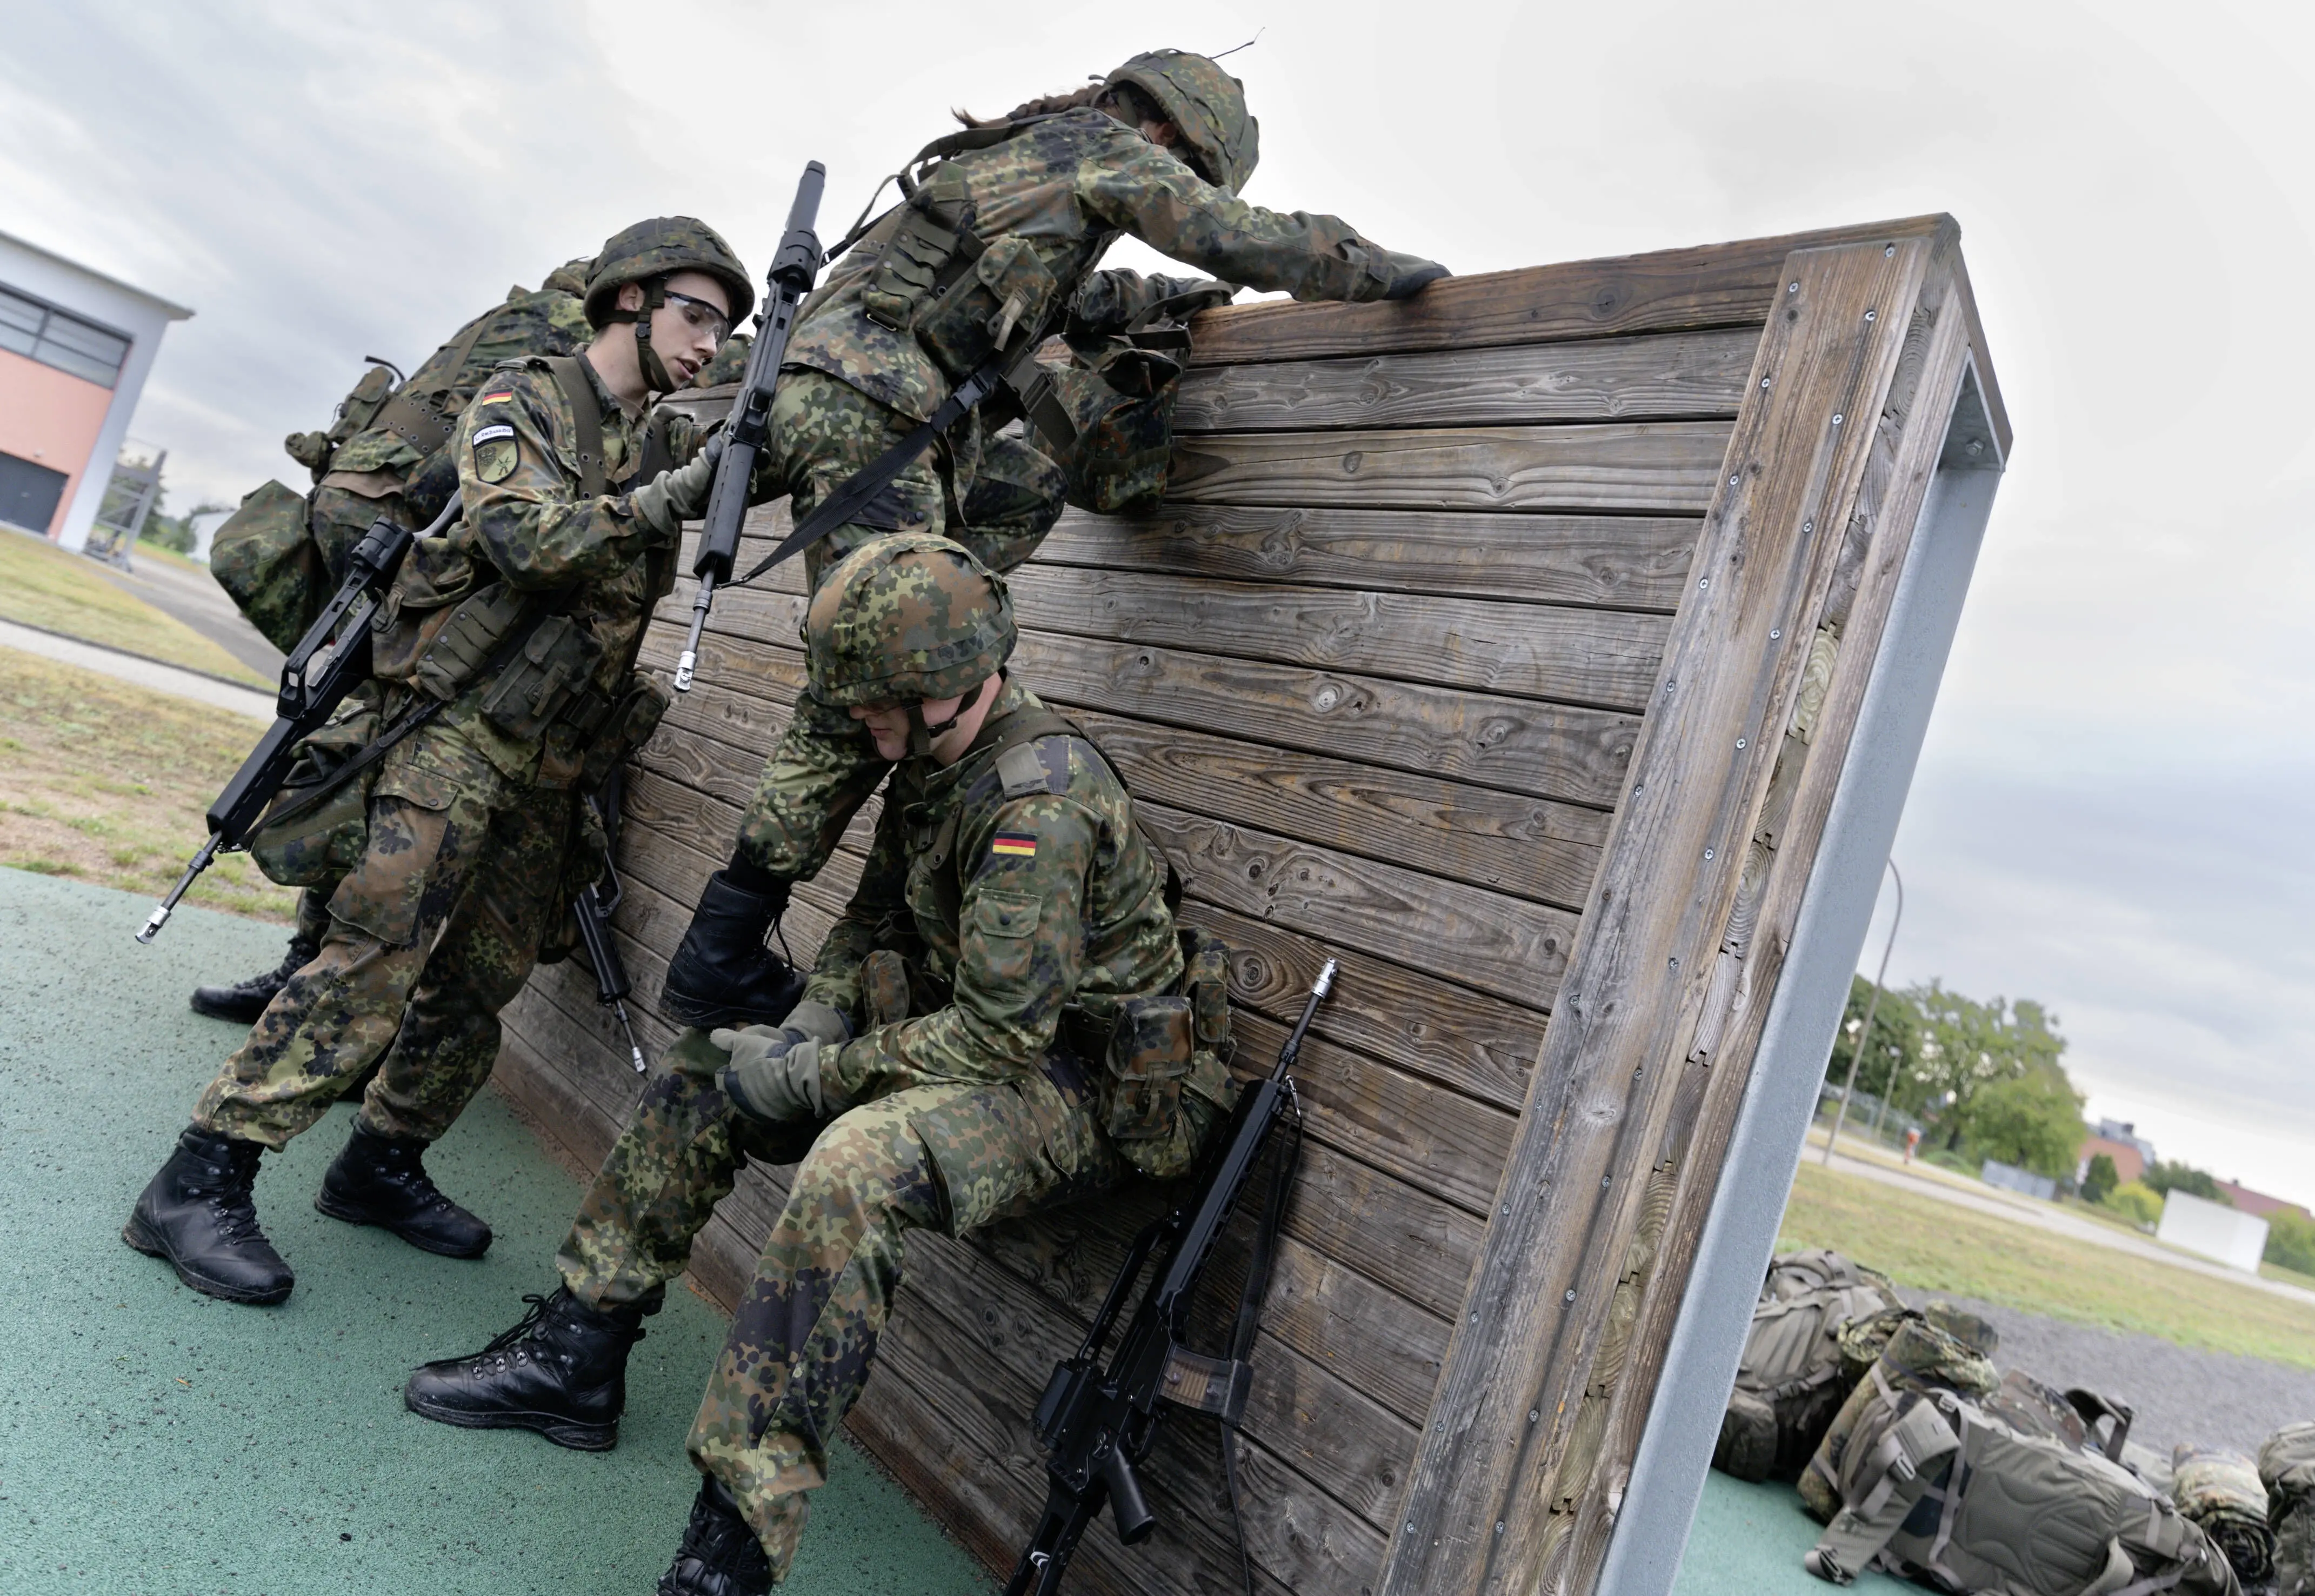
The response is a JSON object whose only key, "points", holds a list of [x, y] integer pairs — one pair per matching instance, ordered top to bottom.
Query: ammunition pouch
{"points": [[962, 297], [1117, 399], [457, 641], [547, 681], [632, 717], [316, 829], [1166, 1083]]}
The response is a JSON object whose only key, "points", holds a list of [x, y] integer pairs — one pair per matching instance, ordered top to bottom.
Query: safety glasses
{"points": [[698, 313]]}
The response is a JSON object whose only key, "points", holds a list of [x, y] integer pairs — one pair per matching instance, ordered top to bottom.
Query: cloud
{"points": [[2106, 816]]}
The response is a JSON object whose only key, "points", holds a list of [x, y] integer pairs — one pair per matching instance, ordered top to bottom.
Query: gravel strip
{"points": [[2180, 1394]]}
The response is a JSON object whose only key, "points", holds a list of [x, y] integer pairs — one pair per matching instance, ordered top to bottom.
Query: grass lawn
{"points": [[42, 585], [107, 783], [1938, 1246]]}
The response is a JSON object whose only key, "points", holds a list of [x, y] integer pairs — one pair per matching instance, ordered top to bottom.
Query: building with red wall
{"points": [[75, 347]]}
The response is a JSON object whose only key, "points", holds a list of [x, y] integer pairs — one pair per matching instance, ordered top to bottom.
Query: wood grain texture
{"points": [[1719, 285], [1665, 378], [1658, 467], [1615, 562], [1606, 658], [1549, 751], [1530, 847], [1696, 1131], [1539, 1307]]}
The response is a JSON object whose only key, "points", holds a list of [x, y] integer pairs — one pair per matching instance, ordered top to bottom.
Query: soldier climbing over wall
{"points": [[997, 242], [516, 631], [1004, 1018]]}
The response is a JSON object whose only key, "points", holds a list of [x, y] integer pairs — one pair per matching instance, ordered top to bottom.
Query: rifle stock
{"points": [[793, 270], [330, 660], [1098, 1425]]}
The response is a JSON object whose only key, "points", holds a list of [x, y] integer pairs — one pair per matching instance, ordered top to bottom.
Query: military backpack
{"points": [[1943, 1349], [1791, 1383], [2286, 1467], [1939, 1490]]}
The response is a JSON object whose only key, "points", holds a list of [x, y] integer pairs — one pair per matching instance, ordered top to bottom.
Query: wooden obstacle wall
{"points": [[1504, 643]]}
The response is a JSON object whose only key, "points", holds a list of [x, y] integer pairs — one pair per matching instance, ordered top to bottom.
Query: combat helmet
{"points": [[1207, 104], [649, 252], [907, 619]]}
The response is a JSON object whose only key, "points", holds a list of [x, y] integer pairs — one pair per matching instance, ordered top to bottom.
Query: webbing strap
{"points": [[411, 414], [586, 421]]}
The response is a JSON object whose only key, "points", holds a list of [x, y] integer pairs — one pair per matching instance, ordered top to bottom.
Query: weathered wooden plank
{"points": [[1719, 285], [1666, 376], [1660, 467], [1619, 562], [1527, 651], [1545, 751], [1528, 847], [1512, 949], [1409, 1017], [1697, 1130], [1539, 1305]]}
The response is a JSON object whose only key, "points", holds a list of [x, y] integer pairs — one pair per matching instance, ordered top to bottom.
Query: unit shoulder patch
{"points": [[483, 435], [494, 461], [1023, 770]]}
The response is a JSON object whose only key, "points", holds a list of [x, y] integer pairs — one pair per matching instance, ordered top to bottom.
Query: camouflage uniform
{"points": [[1051, 199], [471, 826], [1007, 898], [2287, 1469]]}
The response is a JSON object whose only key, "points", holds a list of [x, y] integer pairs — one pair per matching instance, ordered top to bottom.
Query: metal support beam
{"points": [[1781, 1096]]}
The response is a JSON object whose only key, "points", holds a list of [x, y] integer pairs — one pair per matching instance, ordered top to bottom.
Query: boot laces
{"points": [[230, 1200], [523, 1329]]}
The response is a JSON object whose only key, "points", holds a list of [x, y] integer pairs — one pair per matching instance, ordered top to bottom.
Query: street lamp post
{"points": [[1865, 1035]]}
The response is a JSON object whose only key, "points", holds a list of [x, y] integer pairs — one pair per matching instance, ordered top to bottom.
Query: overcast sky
{"points": [[2103, 818]]}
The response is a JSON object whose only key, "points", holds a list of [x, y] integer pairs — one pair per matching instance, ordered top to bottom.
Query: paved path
{"points": [[194, 598], [137, 669], [1945, 1186], [157, 1442]]}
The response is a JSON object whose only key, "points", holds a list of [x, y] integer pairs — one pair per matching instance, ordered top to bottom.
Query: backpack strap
{"points": [[412, 415], [587, 422], [1894, 1478]]}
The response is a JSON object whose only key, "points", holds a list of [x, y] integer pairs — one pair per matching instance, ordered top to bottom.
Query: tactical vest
{"points": [[1163, 1055], [1790, 1382], [1936, 1488]]}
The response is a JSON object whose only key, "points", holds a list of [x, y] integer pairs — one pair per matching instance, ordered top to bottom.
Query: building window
{"points": [[28, 326]]}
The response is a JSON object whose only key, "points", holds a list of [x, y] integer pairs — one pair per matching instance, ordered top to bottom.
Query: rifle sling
{"points": [[412, 416], [305, 799]]}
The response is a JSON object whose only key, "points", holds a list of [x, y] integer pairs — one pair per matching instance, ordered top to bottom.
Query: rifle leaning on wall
{"points": [[793, 270], [330, 661], [592, 908], [1098, 1425]]}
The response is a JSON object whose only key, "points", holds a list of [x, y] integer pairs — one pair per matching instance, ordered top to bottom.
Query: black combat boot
{"points": [[724, 974], [244, 1000], [378, 1181], [197, 1213], [561, 1370], [720, 1555]]}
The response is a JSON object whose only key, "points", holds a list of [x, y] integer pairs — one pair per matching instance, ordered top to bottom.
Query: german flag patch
{"points": [[495, 397], [1015, 845]]}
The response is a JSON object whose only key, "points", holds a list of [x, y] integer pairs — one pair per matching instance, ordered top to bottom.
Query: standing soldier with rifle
{"points": [[945, 300], [390, 453], [506, 650], [1005, 1017]]}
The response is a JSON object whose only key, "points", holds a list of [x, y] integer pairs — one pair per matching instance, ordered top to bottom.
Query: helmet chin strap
{"points": [[655, 376], [922, 733]]}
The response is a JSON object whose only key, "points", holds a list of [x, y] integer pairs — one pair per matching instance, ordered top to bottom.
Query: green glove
{"points": [[678, 495], [773, 1074]]}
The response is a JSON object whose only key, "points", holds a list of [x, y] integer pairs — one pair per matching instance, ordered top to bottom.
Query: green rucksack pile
{"points": [[1941, 1349], [1793, 1378], [2287, 1469], [1936, 1489], [2220, 1491]]}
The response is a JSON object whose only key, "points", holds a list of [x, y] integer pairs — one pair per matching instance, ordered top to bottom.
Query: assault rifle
{"points": [[789, 281], [330, 661], [593, 908], [1098, 1425]]}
